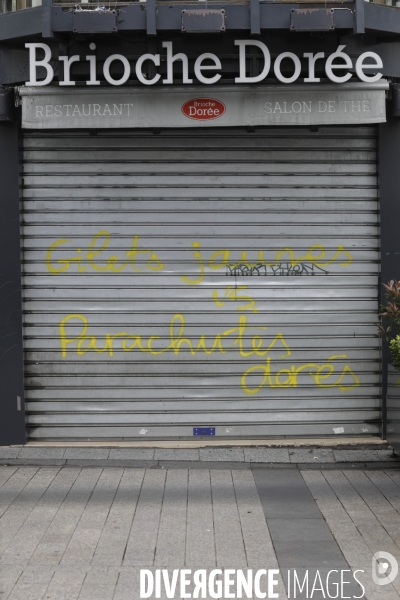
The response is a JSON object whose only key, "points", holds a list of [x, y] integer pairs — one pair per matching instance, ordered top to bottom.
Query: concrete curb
{"points": [[212, 465]]}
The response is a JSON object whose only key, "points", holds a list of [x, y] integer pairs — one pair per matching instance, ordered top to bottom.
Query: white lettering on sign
{"points": [[338, 66], [317, 106], [288, 107], [83, 110], [193, 110]]}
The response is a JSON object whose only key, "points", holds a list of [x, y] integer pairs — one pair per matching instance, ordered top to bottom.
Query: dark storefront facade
{"points": [[208, 203]]}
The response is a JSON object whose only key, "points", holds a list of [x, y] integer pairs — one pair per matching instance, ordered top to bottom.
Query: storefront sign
{"points": [[207, 66], [326, 104], [203, 109]]}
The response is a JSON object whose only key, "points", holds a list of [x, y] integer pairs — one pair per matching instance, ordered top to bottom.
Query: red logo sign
{"points": [[203, 109]]}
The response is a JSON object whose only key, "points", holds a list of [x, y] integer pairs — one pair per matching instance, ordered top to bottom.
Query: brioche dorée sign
{"points": [[207, 66], [179, 106], [203, 109]]}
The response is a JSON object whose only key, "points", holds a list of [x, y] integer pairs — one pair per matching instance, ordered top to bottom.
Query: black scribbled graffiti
{"points": [[242, 269], [279, 269]]}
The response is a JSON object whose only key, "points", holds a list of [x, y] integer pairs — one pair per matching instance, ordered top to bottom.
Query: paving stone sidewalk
{"points": [[213, 457], [71, 533]]}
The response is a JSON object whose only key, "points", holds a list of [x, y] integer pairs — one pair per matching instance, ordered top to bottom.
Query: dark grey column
{"points": [[389, 179], [12, 419]]}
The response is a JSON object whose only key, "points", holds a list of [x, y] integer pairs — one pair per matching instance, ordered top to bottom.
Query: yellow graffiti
{"points": [[97, 246], [316, 255], [94, 258], [199, 258], [317, 258], [233, 294], [176, 336], [223, 342], [291, 374]]}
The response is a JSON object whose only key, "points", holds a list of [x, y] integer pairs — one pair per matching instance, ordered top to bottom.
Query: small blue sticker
{"points": [[204, 431]]}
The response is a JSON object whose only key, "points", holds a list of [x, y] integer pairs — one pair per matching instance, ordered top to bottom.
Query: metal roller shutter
{"points": [[218, 279]]}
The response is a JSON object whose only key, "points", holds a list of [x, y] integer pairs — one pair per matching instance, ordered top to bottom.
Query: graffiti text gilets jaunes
{"points": [[220, 259]]}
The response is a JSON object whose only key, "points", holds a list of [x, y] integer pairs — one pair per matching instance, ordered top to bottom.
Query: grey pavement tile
{"points": [[7, 452], [43, 453], [87, 453], [131, 454], [182, 454], [222, 454], [266, 455], [312, 455], [356, 455], [6, 473], [394, 476], [15, 484], [386, 486], [284, 494], [349, 497], [376, 501], [16, 514], [307, 530], [374, 534], [256, 537], [348, 537], [85, 538], [377, 538], [142, 540], [171, 541], [24, 543], [112, 543], [200, 545], [52, 546], [355, 550], [230, 552], [318, 554], [29, 570], [8, 578], [66, 584], [320, 584], [31, 585], [99, 585], [128, 585], [374, 591]]}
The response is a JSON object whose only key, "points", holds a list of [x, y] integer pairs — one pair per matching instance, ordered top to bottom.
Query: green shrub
{"points": [[389, 327], [394, 346]]}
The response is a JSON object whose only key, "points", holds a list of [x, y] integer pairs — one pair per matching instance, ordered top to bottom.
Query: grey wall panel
{"points": [[226, 280]]}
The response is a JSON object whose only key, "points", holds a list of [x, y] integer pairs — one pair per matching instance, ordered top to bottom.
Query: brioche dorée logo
{"points": [[206, 67], [203, 109]]}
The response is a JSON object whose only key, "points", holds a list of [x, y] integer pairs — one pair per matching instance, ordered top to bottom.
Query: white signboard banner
{"points": [[221, 106]]}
